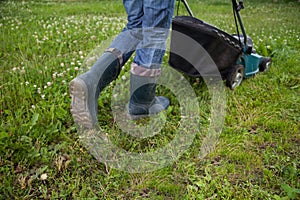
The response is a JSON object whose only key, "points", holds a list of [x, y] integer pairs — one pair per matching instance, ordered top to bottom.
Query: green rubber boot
{"points": [[85, 89], [143, 102]]}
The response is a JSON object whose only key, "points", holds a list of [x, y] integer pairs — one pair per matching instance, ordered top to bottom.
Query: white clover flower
{"points": [[39, 41], [62, 64], [76, 68], [26, 83], [49, 83], [39, 90], [43, 96], [33, 106], [44, 177]]}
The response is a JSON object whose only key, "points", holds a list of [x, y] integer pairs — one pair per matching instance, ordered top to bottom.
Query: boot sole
{"points": [[79, 104], [140, 116], [137, 117]]}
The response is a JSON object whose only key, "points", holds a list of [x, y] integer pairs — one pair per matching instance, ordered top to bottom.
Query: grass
{"points": [[43, 46]]}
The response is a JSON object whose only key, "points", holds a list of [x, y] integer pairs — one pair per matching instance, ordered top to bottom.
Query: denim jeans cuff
{"points": [[143, 71]]}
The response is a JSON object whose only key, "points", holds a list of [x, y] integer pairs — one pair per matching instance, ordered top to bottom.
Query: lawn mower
{"points": [[233, 54]]}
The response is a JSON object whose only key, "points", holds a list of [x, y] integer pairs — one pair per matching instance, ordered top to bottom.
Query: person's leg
{"points": [[155, 29], [127, 41], [146, 67], [85, 89]]}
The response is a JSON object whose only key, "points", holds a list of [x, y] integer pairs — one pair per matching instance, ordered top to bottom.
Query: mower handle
{"points": [[237, 7], [188, 8]]}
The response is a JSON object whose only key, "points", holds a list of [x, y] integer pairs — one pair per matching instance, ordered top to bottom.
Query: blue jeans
{"points": [[146, 31]]}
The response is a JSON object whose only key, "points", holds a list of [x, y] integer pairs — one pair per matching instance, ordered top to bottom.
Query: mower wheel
{"points": [[265, 64], [235, 76]]}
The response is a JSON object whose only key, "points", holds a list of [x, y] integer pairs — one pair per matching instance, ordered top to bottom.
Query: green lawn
{"points": [[44, 45]]}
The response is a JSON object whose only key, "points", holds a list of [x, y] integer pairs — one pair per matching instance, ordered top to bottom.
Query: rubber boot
{"points": [[85, 89], [143, 101]]}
